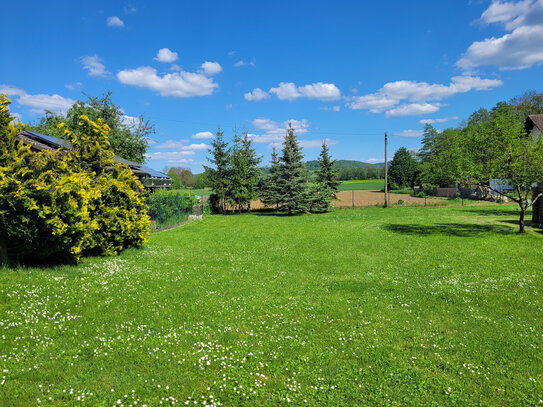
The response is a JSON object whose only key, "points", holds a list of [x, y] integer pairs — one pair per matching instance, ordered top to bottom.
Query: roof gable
{"points": [[534, 121]]}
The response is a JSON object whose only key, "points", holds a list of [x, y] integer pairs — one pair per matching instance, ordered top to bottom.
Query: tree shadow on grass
{"points": [[449, 229]]}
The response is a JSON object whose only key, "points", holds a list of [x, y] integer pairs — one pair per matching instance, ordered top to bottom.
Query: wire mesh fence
{"points": [[169, 208]]}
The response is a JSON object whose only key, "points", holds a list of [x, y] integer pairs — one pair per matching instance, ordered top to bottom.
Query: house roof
{"points": [[534, 120], [44, 142]]}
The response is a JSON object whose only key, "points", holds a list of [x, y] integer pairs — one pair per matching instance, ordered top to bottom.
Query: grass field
{"points": [[365, 184], [403, 306]]}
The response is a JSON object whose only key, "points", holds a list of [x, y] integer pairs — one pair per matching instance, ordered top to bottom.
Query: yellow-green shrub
{"points": [[43, 201], [67, 202], [118, 208]]}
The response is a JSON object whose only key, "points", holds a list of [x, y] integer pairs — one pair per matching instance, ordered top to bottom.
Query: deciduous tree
{"points": [[129, 137], [500, 148], [402, 170]]}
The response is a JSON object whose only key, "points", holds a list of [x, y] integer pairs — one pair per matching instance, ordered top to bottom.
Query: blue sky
{"points": [[342, 71]]}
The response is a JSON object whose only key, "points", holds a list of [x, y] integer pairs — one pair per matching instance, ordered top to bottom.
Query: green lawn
{"points": [[365, 184], [399, 306]]}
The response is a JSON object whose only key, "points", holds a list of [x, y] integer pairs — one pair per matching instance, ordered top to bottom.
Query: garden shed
{"points": [[151, 179]]}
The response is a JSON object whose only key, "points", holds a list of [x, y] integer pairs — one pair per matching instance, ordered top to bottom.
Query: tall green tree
{"points": [[129, 137], [429, 141], [501, 149], [440, 162], [403, 170], [244, 172], [326, 174], [219, 175], [292, 180], [268, 186], [326, 186]]}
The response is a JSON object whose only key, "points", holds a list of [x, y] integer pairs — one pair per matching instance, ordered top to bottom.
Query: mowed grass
{"points": [[365, 184], [398, 306]]}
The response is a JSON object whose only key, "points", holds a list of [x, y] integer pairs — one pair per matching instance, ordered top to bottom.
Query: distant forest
{"points": [[348, 169], [351, 169]]}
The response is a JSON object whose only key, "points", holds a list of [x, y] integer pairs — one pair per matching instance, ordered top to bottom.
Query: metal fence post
{"points": [[160, 211], [178, 215]]}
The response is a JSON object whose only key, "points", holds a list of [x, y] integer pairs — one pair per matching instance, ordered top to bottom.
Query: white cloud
{"points": [[511, 14], [114, 22], [519, 49], [165, 55], [243, 63], [93, 64], [211, 68], [178, 84], [74, 86], [319, 90], [286, 91], [420, 93], [256, 95], [39, 102], [374, 102], [228, 106], [333, 108], [412, 109], [16, 117], [440, 120], [130, 121], [274, 131], [409, 133], [203, 135], [316, 143], [169, 144], [199, 146], [171, 157], [375, 160]]}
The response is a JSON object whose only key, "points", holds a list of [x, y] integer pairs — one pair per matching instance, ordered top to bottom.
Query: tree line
{"points": [[491, 145], [236, 178]]}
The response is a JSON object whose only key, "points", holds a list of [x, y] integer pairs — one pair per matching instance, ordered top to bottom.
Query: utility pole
{"points": [[386, 172]]}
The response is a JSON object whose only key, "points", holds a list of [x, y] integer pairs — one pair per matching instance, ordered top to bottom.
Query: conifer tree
{"points": [[326, 174], [244, 175], [219, 177], [292, 180], [324, 191], [269, 192]]}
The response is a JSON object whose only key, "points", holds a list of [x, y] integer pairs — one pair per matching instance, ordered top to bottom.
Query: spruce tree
{"points": [[244, 174], [326, 174], [219, 177], [292, 180], [324, 191], [269, 192]]}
